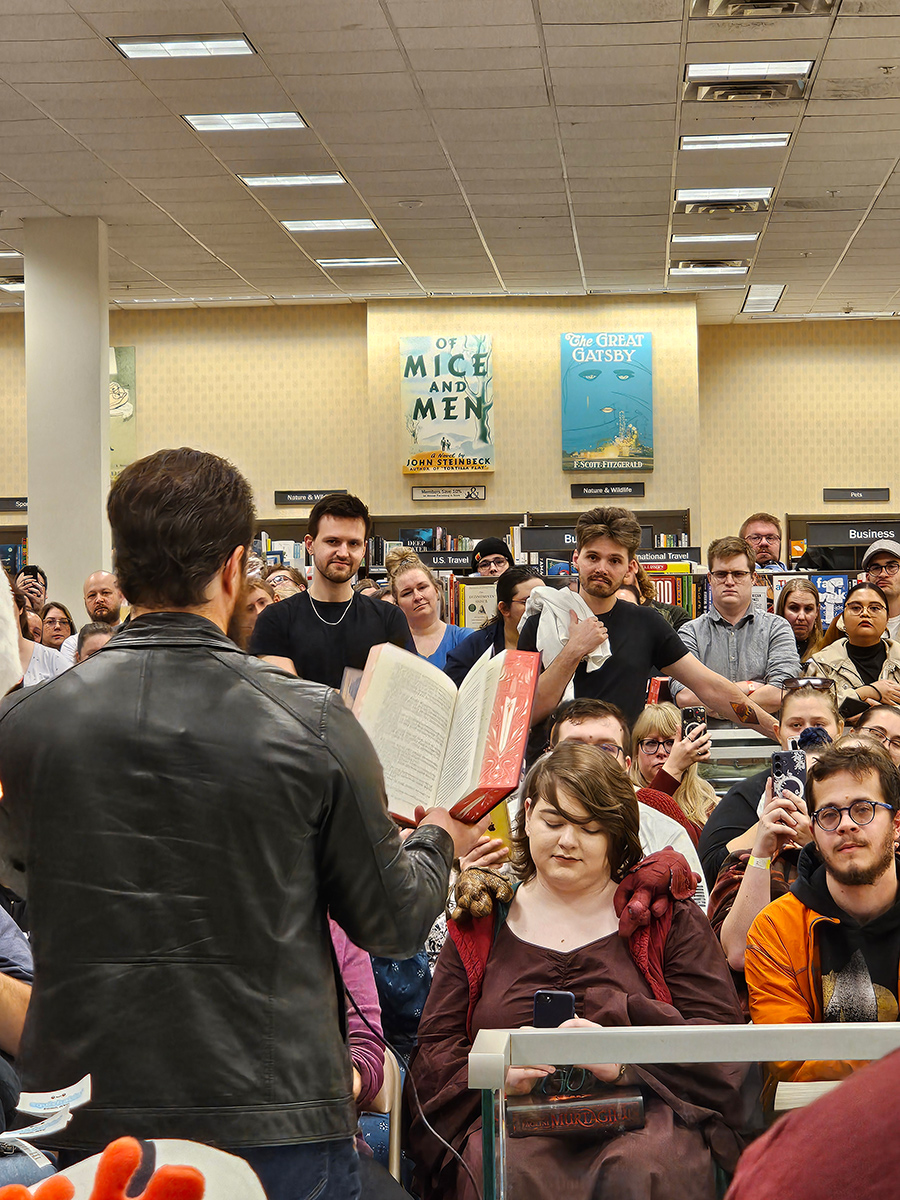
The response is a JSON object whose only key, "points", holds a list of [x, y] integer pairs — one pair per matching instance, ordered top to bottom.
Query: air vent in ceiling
{"points": [[717, 10], [745, 92], [721, 208], [711, 264]]}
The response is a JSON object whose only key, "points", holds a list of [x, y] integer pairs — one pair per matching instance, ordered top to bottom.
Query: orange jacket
{"points": [[781, 966]]}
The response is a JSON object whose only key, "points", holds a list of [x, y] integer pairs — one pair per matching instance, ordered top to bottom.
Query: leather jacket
{"points": [[186, 817]]}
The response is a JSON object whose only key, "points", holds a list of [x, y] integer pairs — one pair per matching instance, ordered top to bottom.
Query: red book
{"points": [[461, 750], [593, 1114]]}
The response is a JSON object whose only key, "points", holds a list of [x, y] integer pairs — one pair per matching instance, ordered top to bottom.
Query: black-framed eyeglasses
{"points": [[888, 568], [737, 576], [875, 609], [881, 735], [652, 745], [861, 812]]}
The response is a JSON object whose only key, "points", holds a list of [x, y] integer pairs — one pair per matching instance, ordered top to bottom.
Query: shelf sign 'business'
{"points": [[446, 390], [607, 401]]}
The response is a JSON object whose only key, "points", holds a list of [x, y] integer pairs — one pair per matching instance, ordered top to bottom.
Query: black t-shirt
{"points": [[638, 638], [320, 647], [733, 815]]}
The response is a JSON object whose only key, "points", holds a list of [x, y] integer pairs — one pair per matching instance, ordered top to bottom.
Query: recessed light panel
{"points": [[183, 47], [752, 71], [217, 122], [734, 141], [291, 180], [701, 195], [328, 226], [709, 238], [10, 253], [358, 262], [708, 270], [11, 286], [763, 297]]}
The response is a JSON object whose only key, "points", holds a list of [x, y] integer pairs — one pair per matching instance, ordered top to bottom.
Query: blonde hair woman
{"points": [[418, 595], [801, 606], [657, 745]]}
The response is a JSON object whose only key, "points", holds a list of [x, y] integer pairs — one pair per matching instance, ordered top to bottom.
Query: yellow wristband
{"points": [[764, 864]]}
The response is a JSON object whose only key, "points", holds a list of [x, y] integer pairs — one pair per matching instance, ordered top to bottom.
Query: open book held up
{"points": [[461, 750]]}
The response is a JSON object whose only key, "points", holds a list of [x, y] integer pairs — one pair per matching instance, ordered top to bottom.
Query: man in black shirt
{"points": [[329, 627], [640, 639]]}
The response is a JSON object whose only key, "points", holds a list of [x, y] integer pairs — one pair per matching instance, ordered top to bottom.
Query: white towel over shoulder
{"points": [[555, 607]]}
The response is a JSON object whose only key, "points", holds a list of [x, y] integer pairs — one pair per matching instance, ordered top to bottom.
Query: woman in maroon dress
{"points": [[578, 860]]}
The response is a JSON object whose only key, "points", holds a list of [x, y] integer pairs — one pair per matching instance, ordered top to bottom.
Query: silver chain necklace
{"points": [[322, 619]]}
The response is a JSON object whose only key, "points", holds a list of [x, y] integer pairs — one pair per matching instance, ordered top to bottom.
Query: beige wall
{"points": [[788, 409], [14, 455]]}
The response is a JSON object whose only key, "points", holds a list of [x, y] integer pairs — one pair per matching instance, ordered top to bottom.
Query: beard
{"points": [[337, 572], [602, 589], [107, 616], [239, 627], [862, 876]]}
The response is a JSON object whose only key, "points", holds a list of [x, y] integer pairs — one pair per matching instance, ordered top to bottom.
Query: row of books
{"points": [[666, 541], [13, 557]]}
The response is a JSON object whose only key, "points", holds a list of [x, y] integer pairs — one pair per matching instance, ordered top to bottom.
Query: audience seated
{"points": [[420, 598], [801, 607], [56, 624], [501, 632], [756, 651], [865, 667], [882, 721], [662, 759], [662, 821], [731, 826], [576, 842], [828, 950]]}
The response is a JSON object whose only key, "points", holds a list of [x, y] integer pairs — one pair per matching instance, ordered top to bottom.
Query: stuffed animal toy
{"points": [[476, 890]]}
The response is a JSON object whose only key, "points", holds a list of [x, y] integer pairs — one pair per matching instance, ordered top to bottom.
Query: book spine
{"points": [[576, 1114]]}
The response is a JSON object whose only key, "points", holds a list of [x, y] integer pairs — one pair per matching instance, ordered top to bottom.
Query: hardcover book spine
{"points": [[575, 1115]]}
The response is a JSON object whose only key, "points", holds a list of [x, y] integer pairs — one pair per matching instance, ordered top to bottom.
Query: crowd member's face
{"points": [[765, 540], [338, 547], [493, 564], [602, 565], [884, 569], [731, 583], [34, 588], [627, 595], [417, 597], [102, 598], [800, 611], [513, 612], [865, 618], [35, 625], [56, 628], [93, 643], [806, 709], [886, 728], [604, 732], [649, 759], [854, 854], [566, 855]]}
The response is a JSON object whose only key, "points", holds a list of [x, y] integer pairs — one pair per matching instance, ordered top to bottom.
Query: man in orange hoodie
{"points": [[829, 950]]}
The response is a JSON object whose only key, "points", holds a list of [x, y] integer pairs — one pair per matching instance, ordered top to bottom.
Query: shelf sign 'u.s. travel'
{"points": [[446, 389], [607, 401]]}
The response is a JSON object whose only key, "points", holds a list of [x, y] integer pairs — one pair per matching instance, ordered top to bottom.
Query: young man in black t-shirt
{"points": [[329, 627], [639, 638]]}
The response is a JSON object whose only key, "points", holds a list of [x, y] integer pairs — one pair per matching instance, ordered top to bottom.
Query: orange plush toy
{"points": [[118, 1163]]}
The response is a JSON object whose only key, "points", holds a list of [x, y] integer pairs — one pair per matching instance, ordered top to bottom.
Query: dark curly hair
{"points": [[176, 516]]}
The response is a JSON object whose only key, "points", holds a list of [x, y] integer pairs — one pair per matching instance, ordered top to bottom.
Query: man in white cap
{"points": [[881, 563]]}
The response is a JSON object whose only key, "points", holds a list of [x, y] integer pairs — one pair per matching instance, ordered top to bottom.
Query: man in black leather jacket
{"points": [[185, 817]]}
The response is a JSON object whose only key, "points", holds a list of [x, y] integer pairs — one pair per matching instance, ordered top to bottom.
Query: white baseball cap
{"points": [[882, 546]]}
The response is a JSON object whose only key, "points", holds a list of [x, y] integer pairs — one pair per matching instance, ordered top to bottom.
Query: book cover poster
{"points": [[446, 390], [607, 401], [122, 405]]}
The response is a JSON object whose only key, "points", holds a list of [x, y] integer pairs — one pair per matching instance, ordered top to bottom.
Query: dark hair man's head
{"points": [[346, 508], [177, 518], [618, 524], [607, 541], [91, 638], [594, 722], [853, 797]]}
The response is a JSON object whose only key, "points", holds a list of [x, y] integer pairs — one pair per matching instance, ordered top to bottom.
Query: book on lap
{"points": [[439, 746]]}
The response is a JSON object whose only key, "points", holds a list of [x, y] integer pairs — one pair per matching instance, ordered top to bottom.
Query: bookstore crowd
{"points": [[211, 904]]}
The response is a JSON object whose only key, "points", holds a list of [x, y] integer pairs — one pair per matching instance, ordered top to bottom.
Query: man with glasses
{"points": [[763, 532], [491, 557], [881, 563], [756, 651], [883, 723], [601, 724], [829, 950]]}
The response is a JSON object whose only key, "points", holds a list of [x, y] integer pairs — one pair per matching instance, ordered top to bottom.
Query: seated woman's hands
{"points": [[605, 1072], [521, 1080]]}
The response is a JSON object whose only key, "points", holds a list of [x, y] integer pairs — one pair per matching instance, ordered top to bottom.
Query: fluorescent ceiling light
{"points": [[183, 47], [729, 72], [211, 122], [734, 141], [290, 180], [699, 195], [329, 226], [708, 238], [10, 253], [358, 262], [708, 270], [13, 287], [763, 297], [844, 316]]}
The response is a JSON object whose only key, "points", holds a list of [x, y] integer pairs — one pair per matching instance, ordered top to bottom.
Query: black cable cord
{"points": [[409, 1079]]}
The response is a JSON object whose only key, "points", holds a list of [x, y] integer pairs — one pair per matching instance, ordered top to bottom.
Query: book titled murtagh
{"points": [[591, 1114]]}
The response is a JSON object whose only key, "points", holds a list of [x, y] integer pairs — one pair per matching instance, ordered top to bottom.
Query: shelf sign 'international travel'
{"points": [[446, 389], [607, 401]]}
